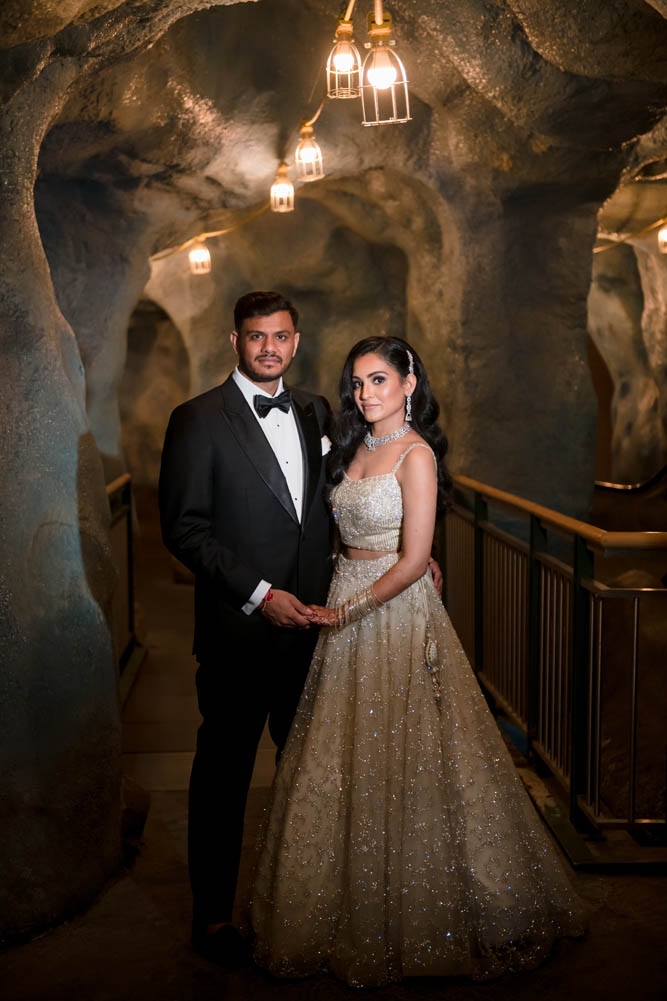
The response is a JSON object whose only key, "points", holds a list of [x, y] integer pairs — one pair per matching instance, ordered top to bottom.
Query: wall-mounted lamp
{"points": [[282, 191]]}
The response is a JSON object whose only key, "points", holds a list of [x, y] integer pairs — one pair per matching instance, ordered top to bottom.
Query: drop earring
{"points": [[408, 399]]}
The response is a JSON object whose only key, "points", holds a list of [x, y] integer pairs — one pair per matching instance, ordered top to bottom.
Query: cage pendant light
{"points": [[344, 63], [384, 84], [308, 156], [282, 191], [199, 258]]}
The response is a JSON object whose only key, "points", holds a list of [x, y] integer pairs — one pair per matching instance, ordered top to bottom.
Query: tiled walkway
{"points": [[132, 945]]}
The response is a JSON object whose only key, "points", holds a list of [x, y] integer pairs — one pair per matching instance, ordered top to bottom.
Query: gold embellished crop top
{"points": [[369, 512]]}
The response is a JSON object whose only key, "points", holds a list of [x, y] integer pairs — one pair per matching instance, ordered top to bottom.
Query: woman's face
{"points": [[379, 389]]}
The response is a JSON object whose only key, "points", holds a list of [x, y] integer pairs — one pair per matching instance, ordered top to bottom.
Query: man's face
{"points": [[265, 346]]}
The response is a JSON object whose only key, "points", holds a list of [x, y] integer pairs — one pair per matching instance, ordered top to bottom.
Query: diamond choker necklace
{"points": [[370, 442]]}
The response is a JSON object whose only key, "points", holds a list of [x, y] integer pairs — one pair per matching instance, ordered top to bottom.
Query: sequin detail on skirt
{"points": [[400, 840]]}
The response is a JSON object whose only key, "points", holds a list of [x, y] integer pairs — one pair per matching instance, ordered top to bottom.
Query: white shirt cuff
{"points": [[256, 597]]}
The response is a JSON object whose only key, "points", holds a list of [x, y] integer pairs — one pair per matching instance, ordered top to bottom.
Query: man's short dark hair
{"points": [[262, 304]]}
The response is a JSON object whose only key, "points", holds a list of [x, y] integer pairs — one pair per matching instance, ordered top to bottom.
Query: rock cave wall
{"points": [[128, 127], [627, 309]]}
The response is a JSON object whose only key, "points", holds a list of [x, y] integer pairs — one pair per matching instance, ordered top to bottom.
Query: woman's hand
{"points": [[323, 616]]}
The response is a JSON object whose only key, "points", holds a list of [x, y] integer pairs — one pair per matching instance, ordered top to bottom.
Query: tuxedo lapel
{"points": [[243, 424], [311, 446]]}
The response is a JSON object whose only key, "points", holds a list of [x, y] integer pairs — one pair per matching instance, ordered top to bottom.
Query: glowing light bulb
{"points": [[343, 57], [344, 64], [381, 72], [384, 85], [308, 156], [282, 191], [662, 240], [200, 259]]}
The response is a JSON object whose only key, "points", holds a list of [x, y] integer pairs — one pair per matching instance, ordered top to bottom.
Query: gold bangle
{"points": [[358, 606]]}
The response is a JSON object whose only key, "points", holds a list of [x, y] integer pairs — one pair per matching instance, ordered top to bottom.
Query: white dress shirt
{"points": [[283, 436]]}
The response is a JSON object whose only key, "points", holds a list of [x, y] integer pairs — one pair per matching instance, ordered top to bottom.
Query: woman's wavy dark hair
{"points": [[350, 427]]}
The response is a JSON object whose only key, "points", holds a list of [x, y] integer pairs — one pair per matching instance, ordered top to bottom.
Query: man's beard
{"points": [[260, 375]]}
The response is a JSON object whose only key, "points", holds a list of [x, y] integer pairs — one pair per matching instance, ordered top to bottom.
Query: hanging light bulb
{"points": [[343, 57], [344, 62], [381, 72], [384, 85], [308, 156], [282, 191], [662, 240], [200, 259]]}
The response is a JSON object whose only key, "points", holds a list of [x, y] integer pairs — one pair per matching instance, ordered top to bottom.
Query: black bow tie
{"points": [[263, 404]]}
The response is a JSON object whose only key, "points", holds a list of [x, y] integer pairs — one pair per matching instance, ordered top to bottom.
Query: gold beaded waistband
{"points": [[378, 542]]}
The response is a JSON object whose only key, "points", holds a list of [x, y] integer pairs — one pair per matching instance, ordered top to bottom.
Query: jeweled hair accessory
{"points": [[411, 362]]}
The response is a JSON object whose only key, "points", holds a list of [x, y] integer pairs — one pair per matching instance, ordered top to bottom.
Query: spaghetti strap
{"points": [[415, 444]]}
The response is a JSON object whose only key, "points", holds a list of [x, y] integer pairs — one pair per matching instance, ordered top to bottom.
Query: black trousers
{"points": [[237, 690]]}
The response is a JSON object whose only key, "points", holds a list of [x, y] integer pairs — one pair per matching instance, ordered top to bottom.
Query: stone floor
{"points": [[132, 944]]}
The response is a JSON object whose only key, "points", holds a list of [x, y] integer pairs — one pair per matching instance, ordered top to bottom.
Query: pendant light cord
{"points": [[209, 233]]}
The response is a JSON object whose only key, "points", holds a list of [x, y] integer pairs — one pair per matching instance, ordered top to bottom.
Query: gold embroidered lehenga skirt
{"points": [[400, 840]]}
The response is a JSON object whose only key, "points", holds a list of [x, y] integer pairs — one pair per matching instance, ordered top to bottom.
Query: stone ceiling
{"points": [[151, 121]]}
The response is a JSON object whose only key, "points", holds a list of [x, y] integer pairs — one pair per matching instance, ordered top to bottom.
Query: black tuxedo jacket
{"points": [[227, 513]]}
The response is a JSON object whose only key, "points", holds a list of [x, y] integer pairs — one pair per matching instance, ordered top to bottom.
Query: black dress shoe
{"points": [[226, 947]]}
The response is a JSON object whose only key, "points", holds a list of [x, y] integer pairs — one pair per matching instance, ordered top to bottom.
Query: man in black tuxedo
{"points": [[242, 505]]}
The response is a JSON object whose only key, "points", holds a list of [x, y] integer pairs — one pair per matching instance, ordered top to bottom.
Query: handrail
{"points": [[118, 483], [633, 487], [598, 538], [544, 642]]}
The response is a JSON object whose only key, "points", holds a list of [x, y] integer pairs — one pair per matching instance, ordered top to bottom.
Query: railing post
{"points": [[481, 516], [538, 544], [583, 567]]}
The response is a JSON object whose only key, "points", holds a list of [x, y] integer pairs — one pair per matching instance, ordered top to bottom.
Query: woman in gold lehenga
{"points": [[400, 841]]}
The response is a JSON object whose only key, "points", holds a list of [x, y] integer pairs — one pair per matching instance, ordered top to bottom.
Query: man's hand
{"points": [[436, 574], [287, 611]]}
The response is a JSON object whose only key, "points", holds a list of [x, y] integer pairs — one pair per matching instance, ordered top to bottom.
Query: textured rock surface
{"points": [[506, 179], [470, 229], [616, 307], [628, 316], [156, 379], [60, 801], [59, 807]]}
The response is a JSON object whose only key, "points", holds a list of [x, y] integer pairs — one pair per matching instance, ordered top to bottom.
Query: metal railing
{"points": [[119, 494], [563, 654]]}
